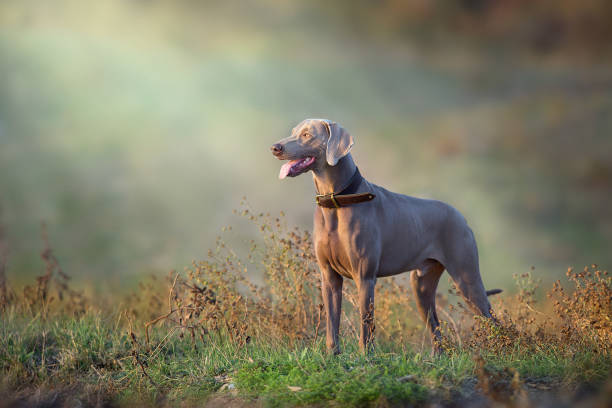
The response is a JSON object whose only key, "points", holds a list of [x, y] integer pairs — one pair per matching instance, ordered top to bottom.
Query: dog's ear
{"points": [[339, 143]]}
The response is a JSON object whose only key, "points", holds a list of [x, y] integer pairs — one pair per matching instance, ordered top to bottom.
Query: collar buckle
{"points": [[331, 196]]}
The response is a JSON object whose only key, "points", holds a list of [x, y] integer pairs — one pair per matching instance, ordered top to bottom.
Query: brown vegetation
{"points": [[218, 298], [217, 303]]}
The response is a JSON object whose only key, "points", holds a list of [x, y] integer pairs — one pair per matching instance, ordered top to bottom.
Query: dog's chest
{"points": [[331, 245]]}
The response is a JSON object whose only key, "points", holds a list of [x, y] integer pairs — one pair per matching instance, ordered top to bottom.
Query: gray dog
{"points": [[363, 232]]}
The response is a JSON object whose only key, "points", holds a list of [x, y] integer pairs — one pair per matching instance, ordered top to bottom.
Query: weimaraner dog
{"points": [[363, 232]]}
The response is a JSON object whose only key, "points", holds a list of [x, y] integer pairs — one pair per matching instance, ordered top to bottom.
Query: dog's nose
{"points": [[277, 149]]}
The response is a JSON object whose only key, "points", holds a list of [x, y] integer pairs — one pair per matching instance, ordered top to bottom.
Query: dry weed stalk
{"points": [[4, 292], [40, 298], [585, 313], [138, 356]]}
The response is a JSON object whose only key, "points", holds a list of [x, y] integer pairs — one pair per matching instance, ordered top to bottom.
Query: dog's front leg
{"points": [[331, 286], [366, 312]]}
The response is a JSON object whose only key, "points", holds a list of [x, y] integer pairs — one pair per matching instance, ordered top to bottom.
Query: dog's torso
{"points": [[394, 233]]}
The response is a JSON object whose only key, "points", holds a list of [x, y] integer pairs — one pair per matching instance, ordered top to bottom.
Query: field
{"points": [[129, 129], [209, 335]]}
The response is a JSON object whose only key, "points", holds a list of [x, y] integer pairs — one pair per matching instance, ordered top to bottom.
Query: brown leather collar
{"points": [[346, 196], [342, 200]]}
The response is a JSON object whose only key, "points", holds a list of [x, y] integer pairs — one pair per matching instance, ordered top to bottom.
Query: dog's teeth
{"points": [[298, 165]]}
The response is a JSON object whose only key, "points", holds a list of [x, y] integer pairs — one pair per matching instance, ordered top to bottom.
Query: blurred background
{"points": [[133, 128]]}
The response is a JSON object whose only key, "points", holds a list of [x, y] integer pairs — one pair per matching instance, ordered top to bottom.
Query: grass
{"points": [[212, 334], [90, 354], [91, 359]]}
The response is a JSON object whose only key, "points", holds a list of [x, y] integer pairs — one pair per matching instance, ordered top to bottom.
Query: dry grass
{"points": [[218, 297], [215, 306]]}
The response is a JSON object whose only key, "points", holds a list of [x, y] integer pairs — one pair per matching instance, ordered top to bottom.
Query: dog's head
{"points": [[313, 144]]}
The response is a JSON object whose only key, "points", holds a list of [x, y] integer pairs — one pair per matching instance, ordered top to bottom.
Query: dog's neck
{"points": [[332, 179]]}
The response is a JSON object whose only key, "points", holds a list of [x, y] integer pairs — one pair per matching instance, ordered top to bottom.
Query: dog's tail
{"points": [[493, 292]]}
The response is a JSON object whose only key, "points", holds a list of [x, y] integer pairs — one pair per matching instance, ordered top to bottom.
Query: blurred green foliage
{"points": [[133, 127]]}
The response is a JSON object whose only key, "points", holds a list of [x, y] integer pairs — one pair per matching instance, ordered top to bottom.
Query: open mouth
{"points": [[295, 167]]}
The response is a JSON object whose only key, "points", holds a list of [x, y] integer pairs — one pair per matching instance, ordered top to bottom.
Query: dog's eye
{"points": [[305, 136]]}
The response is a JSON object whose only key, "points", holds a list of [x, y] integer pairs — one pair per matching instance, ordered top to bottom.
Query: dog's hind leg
{"points": [[461, 262], [466, 276], [424, 283]]}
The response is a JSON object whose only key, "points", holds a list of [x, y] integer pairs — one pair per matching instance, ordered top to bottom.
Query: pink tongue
{"points": [[286, 168]]}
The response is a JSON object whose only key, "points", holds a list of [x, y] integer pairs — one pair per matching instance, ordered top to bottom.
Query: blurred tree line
{"points": [[542, 26]]}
